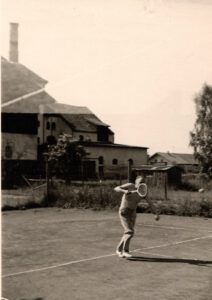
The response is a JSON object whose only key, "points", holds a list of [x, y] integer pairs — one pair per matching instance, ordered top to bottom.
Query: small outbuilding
{"points": [[171, 175]]}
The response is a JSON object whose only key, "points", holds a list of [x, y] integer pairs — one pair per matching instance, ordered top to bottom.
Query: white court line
{"points": [[172, 227], [175, 243], [103, 256], [168, 256]]}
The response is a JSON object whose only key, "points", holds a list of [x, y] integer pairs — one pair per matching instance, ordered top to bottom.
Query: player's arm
{"points": [[124, 188]]}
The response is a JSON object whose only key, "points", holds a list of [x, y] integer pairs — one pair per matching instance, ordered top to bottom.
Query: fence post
{"points": [[129, 170], [120, 178], [47, 179], [165, 186]]}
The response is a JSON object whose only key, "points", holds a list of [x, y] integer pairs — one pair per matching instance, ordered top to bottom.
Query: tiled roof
{"points": [[17, 80], [29, 105], [60, 108], [79, 117], [177, 158]]}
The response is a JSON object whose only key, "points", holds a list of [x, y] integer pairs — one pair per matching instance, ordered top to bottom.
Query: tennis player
{"points": [[127, 214]]}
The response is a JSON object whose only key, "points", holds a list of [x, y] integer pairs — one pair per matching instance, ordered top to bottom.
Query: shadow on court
{"points": [[204, 263], [39, 298]]}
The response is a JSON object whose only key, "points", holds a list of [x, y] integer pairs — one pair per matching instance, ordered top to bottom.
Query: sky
{"points": [[137, 64]]}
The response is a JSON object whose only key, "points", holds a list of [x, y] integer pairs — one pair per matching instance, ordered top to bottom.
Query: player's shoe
{"points": [[119, 253], [126, 254]]}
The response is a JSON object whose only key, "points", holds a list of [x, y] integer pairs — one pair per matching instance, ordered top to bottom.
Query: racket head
{"points": [[142, 190]]}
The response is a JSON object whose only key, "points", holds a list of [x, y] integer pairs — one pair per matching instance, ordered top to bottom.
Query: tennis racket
{"points": [[142, 190]]}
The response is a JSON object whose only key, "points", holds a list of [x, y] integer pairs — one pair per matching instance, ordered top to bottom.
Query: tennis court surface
{"points": [[70, 254]]}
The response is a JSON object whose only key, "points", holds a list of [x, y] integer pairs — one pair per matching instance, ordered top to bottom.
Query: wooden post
{"points": [[82, 171], [129, 171], [120, 178], [47, 179], [165, 186]]}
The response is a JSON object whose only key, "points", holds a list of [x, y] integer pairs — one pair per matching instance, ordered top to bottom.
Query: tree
{"points": [[201, 136], [65, 158]]}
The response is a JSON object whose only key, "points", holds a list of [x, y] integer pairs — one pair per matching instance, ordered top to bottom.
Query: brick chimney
{"points": [[14, 42]]}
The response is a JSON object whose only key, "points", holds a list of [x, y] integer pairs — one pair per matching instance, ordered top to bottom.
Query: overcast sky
{"points": [[136, 64]]}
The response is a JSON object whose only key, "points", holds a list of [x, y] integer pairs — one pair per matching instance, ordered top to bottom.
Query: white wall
{"points": [[139, 156]]}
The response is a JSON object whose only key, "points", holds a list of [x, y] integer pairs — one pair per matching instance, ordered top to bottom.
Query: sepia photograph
{"points": [[106, 149]]}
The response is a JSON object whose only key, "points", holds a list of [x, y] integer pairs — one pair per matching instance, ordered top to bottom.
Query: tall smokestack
{"points": [[14, 42]]}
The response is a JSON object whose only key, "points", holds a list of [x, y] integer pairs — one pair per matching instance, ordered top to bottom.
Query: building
{"points": [[32, 118], [186, 162], [166, 175]]}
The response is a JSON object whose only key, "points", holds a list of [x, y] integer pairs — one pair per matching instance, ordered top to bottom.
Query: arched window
{"points": [[48, 125], [53, 125], [81, 138], [8, 151], [101, 160], [115, 161], [130, 161]]}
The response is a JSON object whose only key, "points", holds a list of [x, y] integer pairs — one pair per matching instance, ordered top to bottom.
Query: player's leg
{"points": [[124, 218], [128, 221]]}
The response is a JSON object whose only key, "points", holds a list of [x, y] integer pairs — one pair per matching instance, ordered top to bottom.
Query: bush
{"points": [[189, 186], [101, 195], [94, 196], [206, 208]]}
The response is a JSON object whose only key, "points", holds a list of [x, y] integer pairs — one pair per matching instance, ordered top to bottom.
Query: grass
{"points": [[101, 195]]}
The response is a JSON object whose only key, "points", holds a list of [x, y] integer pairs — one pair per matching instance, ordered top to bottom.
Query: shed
{"points": [[172, 174]]}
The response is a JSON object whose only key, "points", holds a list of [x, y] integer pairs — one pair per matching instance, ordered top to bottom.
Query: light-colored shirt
{"points": [[128, 200]]}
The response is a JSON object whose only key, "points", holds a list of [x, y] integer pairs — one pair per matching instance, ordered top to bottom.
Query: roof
{"points": [[17, 80], [22, 92], [29, 105], [61, 108], [79, 117], [111, 145], [177, 158], [154, 168]]}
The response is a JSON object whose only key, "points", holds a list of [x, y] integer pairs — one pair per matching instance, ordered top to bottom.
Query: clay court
{"points": [[70, 254]]}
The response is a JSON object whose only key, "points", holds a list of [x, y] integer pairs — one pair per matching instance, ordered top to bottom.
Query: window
{"points": [[19, 123], [48, 125], [53, 125], [102, 134], [81, 138], [38, 140], [51, 140], [8, 151], [101, 160], [115, 161], [130, 161]]}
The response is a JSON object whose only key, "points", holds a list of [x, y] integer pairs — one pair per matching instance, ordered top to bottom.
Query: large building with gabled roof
{"points": [[32, 118]]}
